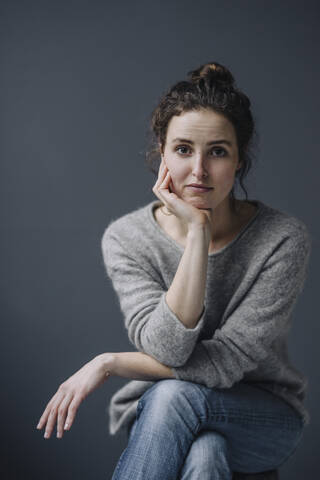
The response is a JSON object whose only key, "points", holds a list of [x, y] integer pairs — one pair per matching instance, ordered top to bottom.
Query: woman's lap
{"points": [[261, 430]]}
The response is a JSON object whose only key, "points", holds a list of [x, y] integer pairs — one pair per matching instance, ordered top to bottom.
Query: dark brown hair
{"points": [[211, 86]]}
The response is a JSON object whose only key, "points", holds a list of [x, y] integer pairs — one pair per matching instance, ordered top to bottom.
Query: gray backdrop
{"points": [[79, 80]]}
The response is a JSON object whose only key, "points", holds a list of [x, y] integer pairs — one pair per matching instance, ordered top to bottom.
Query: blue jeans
{"points": [[184, 430]]}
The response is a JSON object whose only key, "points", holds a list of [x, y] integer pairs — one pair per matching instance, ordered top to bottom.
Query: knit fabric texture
{"points": [[253, 284]]}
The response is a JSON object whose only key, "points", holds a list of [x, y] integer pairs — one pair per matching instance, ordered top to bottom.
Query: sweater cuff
{"points": [[181, 338]]}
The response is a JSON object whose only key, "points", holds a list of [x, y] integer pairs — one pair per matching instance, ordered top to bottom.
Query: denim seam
{"points": [[256, 414], [239, 416]]}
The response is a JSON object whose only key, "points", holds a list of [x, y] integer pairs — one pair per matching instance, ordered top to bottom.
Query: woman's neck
{"points": [[225, 222]]}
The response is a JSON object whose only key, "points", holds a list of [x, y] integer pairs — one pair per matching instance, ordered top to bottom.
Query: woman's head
{"points": [[207, 106], [201, 148]]}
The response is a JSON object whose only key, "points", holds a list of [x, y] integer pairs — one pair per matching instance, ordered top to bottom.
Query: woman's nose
{"points": [[199, 166]]}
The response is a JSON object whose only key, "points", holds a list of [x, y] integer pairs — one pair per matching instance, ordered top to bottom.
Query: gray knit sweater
{"points": [[253, 284]]}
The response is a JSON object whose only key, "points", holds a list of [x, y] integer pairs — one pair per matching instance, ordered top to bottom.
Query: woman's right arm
{"points": [[186, 294], [153, 327]]}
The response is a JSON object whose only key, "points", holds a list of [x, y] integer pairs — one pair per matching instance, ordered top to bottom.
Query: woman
{"points": [[207, 284]]}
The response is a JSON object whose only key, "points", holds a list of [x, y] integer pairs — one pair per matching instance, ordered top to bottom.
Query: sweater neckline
{"points": [[179, 247]]}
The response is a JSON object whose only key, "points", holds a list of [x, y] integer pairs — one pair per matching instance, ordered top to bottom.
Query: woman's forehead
{"points": [[197, 125]]}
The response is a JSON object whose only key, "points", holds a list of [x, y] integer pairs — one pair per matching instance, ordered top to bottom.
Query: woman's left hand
{"points": [[72, 392]]}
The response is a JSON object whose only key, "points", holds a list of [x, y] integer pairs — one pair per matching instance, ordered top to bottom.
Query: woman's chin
{"points": [[195, 200], [198, 203]]}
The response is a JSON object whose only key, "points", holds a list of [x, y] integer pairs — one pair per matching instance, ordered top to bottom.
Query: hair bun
{"points": [[214, 72]]}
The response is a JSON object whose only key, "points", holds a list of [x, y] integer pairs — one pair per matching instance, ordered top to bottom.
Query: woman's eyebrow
{"points": [[213, 142]]}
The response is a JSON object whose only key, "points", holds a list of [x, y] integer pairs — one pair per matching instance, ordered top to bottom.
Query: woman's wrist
{"points": [[200, 230], [108, 362]]}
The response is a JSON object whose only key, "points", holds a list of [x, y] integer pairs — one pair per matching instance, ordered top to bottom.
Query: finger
{"points": [[162, 165], [161, 176], [167, 178], [158, 183], [165, 184], [171, 187], [167, 196], [72, 410], [62, 413], [44, 416], [51, 421]]}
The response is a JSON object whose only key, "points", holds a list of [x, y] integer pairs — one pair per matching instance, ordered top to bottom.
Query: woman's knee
{"points": [[167, 391], [172, 394]]}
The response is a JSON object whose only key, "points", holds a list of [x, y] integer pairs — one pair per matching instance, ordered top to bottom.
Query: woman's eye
{"points": [[183, 147], [219, 150]]}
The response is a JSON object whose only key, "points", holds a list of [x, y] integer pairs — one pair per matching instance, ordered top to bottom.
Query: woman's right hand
{"points": [[188, 214], [63, 406]]}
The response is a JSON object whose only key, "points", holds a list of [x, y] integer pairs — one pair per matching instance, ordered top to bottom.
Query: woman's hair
{"points": [[211, 86]]}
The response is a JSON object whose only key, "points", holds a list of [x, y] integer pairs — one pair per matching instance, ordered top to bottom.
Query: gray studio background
{"points": [[79, 80]]}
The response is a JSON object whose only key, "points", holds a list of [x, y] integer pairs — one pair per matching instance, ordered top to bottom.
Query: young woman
{"points": [[207, 284]]}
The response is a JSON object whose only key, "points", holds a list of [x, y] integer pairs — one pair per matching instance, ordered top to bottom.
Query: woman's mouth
{"points": [[199, 189]]}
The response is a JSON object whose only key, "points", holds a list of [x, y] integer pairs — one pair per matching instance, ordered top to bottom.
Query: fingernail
{"points": [[66, 426], [46, 435]]}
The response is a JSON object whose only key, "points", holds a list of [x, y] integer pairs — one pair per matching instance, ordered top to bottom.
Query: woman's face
{"points": [[201, 147]]}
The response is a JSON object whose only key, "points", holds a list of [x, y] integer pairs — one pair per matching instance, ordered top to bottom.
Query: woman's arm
{"points": [[186, 294], [146, 301], [135, 365], [63, 406]]}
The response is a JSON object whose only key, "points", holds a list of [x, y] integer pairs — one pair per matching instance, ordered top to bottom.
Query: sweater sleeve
{"points": [[152, 327], [244, 340]]}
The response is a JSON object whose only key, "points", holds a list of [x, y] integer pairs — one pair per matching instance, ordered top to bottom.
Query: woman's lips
{"points": [[199, 189]]}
